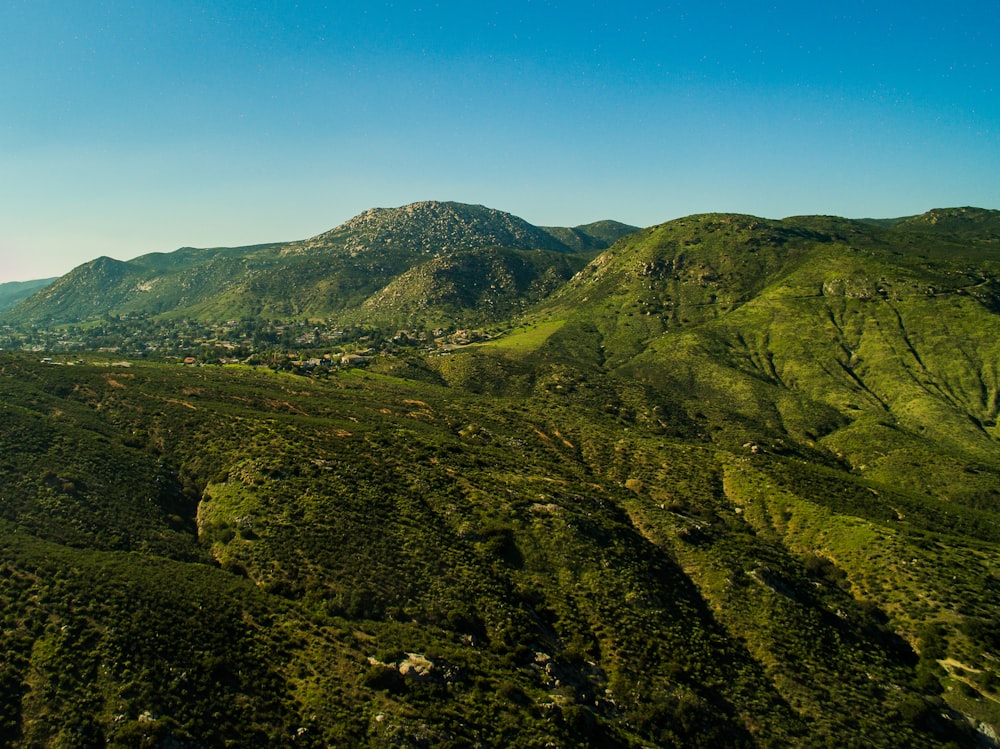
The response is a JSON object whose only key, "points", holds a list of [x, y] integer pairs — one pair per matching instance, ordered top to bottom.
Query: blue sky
{"points": [[133, 127]]}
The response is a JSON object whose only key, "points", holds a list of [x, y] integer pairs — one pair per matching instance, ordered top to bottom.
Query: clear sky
{"points": [[136, 126]]}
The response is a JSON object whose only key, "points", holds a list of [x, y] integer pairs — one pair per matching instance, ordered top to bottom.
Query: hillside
{"points": [[467, 288], [14, 291], [734, 482], [401, 563]]}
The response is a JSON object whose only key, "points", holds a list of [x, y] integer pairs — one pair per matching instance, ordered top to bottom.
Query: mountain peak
{"points": [[430, 210], [950, 220], [435, 227]]}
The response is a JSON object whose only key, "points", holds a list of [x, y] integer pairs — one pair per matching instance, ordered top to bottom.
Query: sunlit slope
{"points": [[813, 327], [840, 378]]}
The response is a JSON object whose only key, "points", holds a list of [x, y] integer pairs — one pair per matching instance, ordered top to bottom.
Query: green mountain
{"points": [[596, 236], [322, 277], [14, 291], [735, 482]]}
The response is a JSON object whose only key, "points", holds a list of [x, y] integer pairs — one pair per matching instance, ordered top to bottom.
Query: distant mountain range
{"points": [[463, 255]]}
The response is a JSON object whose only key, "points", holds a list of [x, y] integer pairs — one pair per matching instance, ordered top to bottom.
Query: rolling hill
{"points": [[732, 482]]}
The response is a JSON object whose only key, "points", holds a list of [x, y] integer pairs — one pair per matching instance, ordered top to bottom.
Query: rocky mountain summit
{"points": [[434, 228]]}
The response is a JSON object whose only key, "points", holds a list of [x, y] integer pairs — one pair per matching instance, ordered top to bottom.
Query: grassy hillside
{"points": [[846, 378], [558, 574]]}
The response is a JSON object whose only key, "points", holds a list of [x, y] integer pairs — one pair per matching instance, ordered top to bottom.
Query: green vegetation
{"points": [[527, 338], [735, 483]]}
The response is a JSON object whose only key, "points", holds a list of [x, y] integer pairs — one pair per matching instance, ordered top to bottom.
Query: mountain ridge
{"points": [[326, 274], [13, 292]]}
